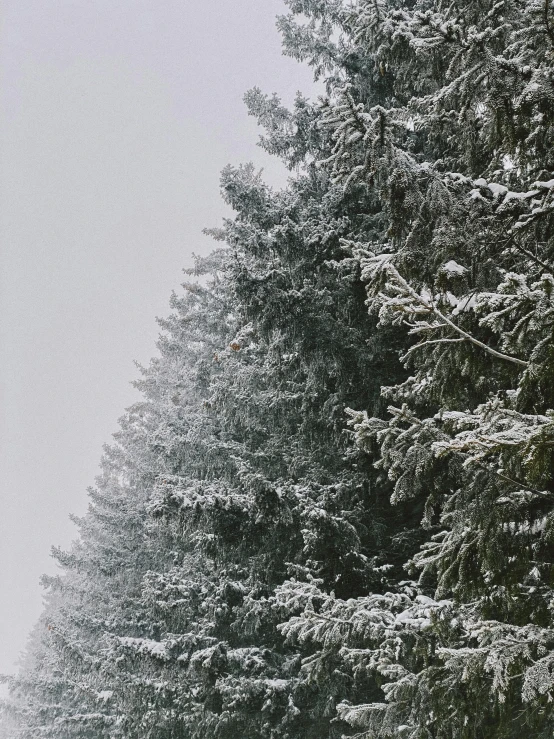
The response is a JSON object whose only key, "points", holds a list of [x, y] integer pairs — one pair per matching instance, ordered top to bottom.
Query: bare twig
{"points": [[512, 242]]}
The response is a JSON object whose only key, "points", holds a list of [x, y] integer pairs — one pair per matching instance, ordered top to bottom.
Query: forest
{"points": [[332, 512]]}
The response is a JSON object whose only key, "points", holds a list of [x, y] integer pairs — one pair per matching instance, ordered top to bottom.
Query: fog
{"points": [[117, 118]]}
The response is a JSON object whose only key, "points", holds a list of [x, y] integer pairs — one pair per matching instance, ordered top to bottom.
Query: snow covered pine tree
{"points": [[458, 145], [243, 568]]}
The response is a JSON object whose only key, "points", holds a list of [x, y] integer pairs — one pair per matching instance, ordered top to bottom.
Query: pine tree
{"points": [[458, 154], [331, 515]]}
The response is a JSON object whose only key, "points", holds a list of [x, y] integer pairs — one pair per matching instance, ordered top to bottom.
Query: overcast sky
{"points": [[117, 117]]}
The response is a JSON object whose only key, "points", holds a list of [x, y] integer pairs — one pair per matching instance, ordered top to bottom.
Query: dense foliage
{"points": [[332, 513]]}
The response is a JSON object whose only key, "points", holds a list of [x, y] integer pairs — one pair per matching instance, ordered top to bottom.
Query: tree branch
{"points": [[512, 242], [433, 309], [421, 344]]}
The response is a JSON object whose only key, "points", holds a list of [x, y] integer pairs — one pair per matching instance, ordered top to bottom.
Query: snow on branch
{"points": [[407, 302]]}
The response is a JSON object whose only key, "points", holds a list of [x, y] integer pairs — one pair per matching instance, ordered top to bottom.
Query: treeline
{"points": [[332, 512]]}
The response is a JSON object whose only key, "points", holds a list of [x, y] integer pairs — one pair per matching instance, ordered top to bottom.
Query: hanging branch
{"points": [[430, 307]]}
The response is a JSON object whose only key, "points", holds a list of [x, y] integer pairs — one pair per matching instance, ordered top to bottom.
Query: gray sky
{"points": [[116, 118]]}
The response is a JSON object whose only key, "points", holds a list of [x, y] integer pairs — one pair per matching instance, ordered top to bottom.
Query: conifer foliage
{"points": [[332, 513]]}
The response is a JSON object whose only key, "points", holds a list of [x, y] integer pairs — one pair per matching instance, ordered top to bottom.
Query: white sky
{"points": [[116, 117]]}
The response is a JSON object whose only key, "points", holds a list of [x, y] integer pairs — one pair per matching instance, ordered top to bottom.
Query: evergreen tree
{"points": [[458, 150], [357, 392]]}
